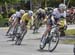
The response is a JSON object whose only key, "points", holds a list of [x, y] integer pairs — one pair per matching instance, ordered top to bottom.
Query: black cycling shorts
{"points": [[26, 22]]}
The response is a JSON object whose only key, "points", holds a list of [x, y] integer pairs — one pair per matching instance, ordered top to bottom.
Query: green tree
{"points": [[5, 2]]}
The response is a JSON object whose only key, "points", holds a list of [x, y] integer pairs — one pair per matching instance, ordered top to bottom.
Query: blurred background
{"points": [[7, 7]]}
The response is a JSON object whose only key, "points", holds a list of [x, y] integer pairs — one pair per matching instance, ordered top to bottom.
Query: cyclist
{"points": [[48, 11], [41, 15], [55, 17], [17, 18], [26, 18], [11, 20]]}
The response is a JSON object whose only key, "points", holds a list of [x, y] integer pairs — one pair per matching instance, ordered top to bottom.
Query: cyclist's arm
{"points": [[10, 19], [22, 19]]}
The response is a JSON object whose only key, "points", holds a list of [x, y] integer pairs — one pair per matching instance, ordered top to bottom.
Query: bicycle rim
{"points": [[21, 37], [44, 44], [53, 44]]}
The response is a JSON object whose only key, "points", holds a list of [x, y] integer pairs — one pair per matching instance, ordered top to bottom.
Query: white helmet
{"points": [[62, 6], [46, 8], [40, 9], [22, 11], [30, 13]]}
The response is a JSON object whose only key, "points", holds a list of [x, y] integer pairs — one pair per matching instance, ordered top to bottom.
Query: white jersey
{"points": [[18, 14], [57, 14], [13, 16]]}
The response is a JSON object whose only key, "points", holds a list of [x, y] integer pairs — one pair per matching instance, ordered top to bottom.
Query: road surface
{"points": [[30, 45]]}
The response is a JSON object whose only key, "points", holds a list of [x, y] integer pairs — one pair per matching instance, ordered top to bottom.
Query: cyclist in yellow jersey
{"points": [[26, 18]]}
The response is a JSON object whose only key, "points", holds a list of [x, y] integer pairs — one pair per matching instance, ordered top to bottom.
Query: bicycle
{"points": [[20, 35], [49, 39]]}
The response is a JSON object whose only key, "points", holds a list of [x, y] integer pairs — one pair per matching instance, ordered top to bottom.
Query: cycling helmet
{"points": [[62, 6], [46, 8], [22, 11], [30, 13]]}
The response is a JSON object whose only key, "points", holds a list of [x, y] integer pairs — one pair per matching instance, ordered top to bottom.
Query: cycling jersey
{"points": [[18, 14], [40, 14], [57, 14], [13, 16], [57, 17], [25, 18]]}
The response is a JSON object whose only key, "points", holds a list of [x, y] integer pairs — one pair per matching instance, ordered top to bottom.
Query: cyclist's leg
{"points": [[14, 24], [23, 25], [10, 27], [48, 27], [23, 29], [44, 37]]}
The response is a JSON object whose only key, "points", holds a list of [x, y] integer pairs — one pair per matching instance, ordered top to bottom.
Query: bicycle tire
{"points": [[14, 33], [20, 38], [17, 40], [44, 44], [51, 50]]}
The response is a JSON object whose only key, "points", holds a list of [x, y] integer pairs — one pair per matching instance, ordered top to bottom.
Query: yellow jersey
{"points": [[25, 17], [62, 22]]}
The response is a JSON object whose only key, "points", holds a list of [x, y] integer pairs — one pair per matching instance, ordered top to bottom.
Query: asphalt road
{"points": [[71, 26], [30, 45]]}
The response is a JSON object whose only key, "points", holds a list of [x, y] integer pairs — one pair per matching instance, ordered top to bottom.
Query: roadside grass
{"points": [[70, 32], [71, 41]]}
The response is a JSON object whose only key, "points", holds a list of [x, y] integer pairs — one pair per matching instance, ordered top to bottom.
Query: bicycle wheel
{"points": [[7, 33], [14, 33], [20, 37], [17, 40], [54, 40], [44, 41], [42, 46]]}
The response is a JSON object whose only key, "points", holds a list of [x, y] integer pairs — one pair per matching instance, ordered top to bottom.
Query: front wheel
{"points": [[20, 38], [54, 40], [43, 43]]}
